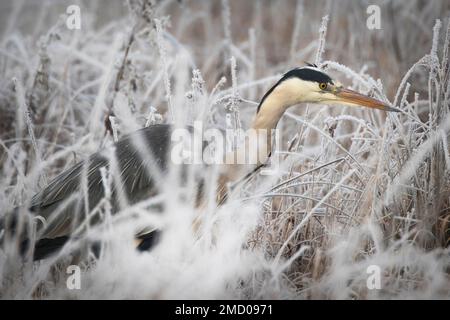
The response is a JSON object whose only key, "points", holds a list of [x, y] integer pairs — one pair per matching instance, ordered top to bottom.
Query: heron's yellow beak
{"points": [[348, 96]]}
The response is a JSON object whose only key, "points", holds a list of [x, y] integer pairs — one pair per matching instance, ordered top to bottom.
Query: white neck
{"points": [[285, 95], [270, 112]]}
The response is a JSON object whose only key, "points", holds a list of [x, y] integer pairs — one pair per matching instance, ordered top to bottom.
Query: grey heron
{"points": [[301, 85]]}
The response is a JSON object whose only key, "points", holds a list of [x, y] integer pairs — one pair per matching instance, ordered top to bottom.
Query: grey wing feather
{"points": [[137, 182]]}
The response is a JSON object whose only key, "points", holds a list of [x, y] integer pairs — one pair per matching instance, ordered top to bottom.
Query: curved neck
{"points": [[275, 103], [272, 107], [270, 112]]}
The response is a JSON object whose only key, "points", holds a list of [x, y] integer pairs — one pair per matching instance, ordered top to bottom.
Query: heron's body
{"points": [[299, 85], [137, 183], [61, 218]]}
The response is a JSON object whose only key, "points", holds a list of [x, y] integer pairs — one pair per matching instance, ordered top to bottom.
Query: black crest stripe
{"points": [[306, 74]]}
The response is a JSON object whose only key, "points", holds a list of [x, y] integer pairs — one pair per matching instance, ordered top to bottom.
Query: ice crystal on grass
{"points": [[356, 189]]}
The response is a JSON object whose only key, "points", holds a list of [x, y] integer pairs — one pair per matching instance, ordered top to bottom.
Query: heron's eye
{"points": [[323, 86]]}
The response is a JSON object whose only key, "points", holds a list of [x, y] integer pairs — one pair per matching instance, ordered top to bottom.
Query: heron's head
{"points": [[311, 85]]}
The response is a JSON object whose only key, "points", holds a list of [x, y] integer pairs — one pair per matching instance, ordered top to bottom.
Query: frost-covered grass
{"points": [[356, 187]]}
